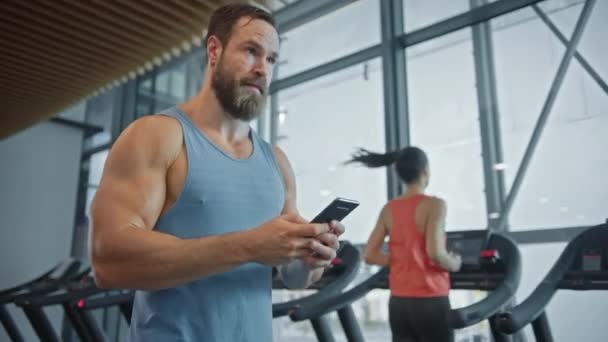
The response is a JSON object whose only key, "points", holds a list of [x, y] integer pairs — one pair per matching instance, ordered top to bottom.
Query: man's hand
{"points": [[287, 238], [326, 246]]}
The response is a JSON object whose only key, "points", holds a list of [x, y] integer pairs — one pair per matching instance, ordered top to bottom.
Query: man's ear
{"points": [[214, 50]]}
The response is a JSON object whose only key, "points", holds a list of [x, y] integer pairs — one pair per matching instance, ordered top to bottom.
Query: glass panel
{"points": [[421, 13], [314, 43], [170, 86], [145, 87], [144, 107], [100, 112], [444, 122], [321, 124], [96, 165], [565, 184]]}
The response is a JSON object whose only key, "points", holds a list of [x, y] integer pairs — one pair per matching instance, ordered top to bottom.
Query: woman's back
{"points": [[412, 272]]}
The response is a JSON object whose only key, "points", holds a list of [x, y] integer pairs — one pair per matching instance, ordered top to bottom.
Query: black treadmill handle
{"points": [[351, 260], [66, 270], [44, 284], [7, 292], [35, 293], [61, 297], [104, 302], [492, 303], [308, 310], [513, 320]]}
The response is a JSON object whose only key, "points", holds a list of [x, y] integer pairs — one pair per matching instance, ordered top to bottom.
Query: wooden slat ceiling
{"points": [[54, 53]]}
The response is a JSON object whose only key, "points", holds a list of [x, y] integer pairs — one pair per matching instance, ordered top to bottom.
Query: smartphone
{"points": [[337, 210]]}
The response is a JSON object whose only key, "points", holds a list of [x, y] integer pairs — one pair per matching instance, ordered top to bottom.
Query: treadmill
{"points": [[491, 262], [582, 266], [341, 273], [46, 283], [81, 296], [78, 298]]}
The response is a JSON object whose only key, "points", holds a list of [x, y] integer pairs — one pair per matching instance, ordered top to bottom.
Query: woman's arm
{"points": [[435, 237], [373, 251]]}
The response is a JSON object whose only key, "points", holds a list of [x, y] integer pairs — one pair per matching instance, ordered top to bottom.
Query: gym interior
{"points": [[507, 97]]}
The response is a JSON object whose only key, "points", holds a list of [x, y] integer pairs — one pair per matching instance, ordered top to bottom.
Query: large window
{"points": [[421, 13], [339, 33], [170, 84], [170, 87], [145, 96], [100, 111], [444, 122], [320, 123], [96, 165], [566, 183]]}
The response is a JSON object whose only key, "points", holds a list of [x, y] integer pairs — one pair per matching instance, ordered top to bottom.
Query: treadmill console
{"points": [[469, 245], [482, 268], [589, 269]]}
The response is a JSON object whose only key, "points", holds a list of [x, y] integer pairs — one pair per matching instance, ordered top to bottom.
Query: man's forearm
{"points": [[141, 259], [298, 275]]}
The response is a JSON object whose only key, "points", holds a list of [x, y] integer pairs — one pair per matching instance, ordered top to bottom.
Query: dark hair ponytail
{"points": [[372, 159], [410, 162]]}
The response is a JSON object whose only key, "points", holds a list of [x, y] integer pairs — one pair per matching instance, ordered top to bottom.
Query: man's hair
{"points": [[223, 20]]}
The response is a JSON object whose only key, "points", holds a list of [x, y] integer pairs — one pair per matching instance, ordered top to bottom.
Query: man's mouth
{"points": [[255, 87]]}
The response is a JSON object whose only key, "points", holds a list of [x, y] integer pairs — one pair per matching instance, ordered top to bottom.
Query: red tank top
{"points": [[412, 272]]}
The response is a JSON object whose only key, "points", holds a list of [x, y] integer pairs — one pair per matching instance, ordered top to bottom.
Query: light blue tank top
{"points": [[221, 195]]}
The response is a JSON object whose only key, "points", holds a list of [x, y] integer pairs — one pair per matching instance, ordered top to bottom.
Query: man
{"points": [[193, 207]]}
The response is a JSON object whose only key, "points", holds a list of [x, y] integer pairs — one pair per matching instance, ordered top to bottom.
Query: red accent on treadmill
{"points": [[489, 253], [81, 303]]}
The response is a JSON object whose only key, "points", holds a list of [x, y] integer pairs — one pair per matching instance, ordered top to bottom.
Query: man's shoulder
{"points": [[157, 136]]}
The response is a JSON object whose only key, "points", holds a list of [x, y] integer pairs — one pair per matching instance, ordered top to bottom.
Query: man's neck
{"points": [[208, 114]]}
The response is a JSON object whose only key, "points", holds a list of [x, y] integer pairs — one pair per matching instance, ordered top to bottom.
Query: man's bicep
{"points": [[133, 184], [123, 201]]}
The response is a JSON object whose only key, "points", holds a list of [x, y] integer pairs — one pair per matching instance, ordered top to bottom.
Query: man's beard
{"points": [[239, 103]]}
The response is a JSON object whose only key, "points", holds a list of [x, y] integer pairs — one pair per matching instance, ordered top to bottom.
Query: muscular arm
{"points": [[435, 236], [373, 250], [125, 251], [296, 274]]}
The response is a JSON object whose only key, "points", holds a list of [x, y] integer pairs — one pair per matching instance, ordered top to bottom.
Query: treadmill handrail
{"points": [[351, 259], [69, 268], [22, 286], [106, 301], [335, 303], [492, 303], [533, 306], [459, 318]]}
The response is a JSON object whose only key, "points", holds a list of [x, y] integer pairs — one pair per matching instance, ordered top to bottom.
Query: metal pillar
{"points": [[395, 86], [489, 119], [350, 325]]}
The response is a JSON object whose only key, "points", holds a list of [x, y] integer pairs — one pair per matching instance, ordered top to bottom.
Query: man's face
{"points": [[241, 77]]}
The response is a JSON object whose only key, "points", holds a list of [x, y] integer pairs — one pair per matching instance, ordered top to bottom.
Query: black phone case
{"points": [[337, 210]]}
